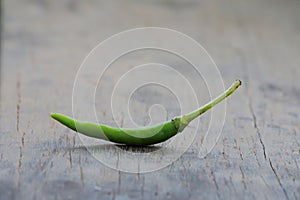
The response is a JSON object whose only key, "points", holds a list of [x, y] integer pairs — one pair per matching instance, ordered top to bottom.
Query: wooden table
{"points": [[258, 154]]}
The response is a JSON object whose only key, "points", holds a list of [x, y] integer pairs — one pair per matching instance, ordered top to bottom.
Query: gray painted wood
{"points": [[258, 154]]}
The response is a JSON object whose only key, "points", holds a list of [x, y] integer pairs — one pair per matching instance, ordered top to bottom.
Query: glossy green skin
{"points": [[144, 135], [129, 136]]}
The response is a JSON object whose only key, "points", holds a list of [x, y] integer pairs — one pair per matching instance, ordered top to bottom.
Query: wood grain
{"points": [[258, 153]]}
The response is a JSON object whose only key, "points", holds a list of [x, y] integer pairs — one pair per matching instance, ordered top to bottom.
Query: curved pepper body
{"points": [[144, 135], [130, 136]]}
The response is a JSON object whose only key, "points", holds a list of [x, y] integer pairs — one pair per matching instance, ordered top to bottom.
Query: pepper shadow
{"points": [[114, 147], [139, 149]]}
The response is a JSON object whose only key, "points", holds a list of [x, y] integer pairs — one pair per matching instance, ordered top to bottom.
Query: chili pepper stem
{"points": [[185, 119]]}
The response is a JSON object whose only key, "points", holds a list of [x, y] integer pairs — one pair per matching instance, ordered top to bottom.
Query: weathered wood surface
{"points": [[258, 154]]}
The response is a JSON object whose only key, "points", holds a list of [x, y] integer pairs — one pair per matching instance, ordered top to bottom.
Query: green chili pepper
{"points": [[140, 136]]}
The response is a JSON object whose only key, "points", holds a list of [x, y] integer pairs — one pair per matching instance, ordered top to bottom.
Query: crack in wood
{"points": [[18, 104], [18, 117], [257, 129], [23, 139], [68, 141], [74, 141], [238, 148], [255, 152], [224, 153], [70, 158], [118, 159], [20, 160], [49, 163], [20, 167], [80, 170], [138, 172], [289, 173], [243, 178], [278, 179], [119, 182], [215, 182]]}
